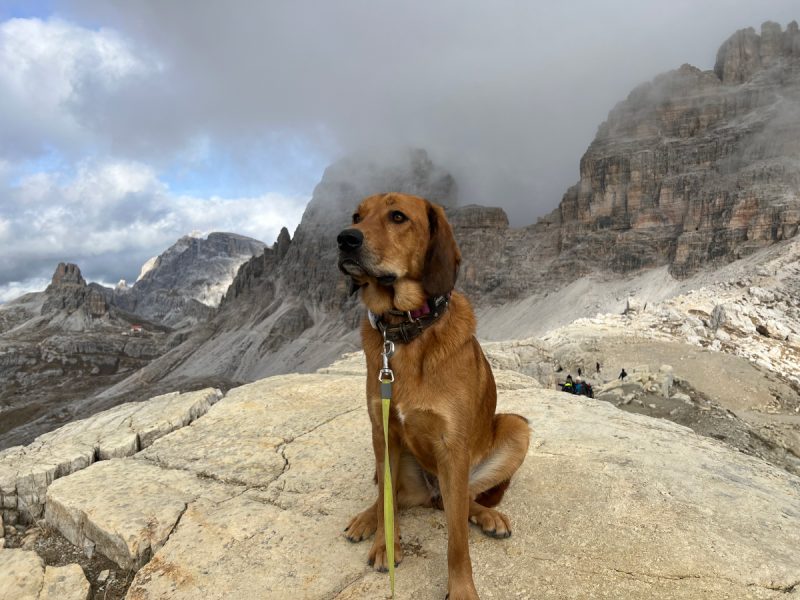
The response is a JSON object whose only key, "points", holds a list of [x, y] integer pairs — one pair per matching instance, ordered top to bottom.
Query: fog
{"points": [[507, 95]]}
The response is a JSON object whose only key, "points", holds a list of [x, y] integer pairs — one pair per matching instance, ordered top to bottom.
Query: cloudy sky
{"points": [[124, 125]]}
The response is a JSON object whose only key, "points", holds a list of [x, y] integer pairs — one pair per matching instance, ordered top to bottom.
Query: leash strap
{"points": [[386, 377]]}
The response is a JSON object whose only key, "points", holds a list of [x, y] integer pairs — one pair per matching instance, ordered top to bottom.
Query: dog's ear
{"points": [[443, 256]]}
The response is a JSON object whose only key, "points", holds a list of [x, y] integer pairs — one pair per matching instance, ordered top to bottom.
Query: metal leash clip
{"points": [[386, 374]]}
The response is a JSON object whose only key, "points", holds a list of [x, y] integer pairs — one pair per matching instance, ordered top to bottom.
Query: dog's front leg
{"points": [[453, 471]]}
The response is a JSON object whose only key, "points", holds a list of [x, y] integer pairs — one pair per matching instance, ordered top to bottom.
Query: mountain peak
{"points": [[745, 53], [67, 274], [185, 282], [69, 291]]}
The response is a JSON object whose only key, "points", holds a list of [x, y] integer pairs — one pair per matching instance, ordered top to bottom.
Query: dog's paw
{"points": [[492, 522], [361, 526], [378, 558]]}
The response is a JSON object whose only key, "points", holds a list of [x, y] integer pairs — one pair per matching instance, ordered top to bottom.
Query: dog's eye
{"points": [[397, 217], [356, 218]]}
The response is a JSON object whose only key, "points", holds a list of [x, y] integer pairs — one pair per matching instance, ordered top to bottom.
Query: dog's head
{"points": [[400, 250]]}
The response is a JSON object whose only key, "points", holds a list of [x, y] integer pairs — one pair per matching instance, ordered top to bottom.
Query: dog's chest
{"points": [[401, 416], [418, 429]]}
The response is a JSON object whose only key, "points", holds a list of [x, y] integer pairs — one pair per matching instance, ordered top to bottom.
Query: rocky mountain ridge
{"points": [[288, 309], [58, 348]]}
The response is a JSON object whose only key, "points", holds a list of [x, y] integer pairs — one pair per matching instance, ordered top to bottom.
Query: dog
{"points": [[447, 447]]}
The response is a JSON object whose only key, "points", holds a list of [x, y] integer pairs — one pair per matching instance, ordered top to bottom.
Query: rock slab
{"points": [[27, 471], [607, 505]]}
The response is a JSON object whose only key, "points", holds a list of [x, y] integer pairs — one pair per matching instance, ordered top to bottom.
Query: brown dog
{"points": [[447, 447]]}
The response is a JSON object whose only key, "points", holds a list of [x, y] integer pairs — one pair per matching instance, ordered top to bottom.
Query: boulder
{"points": [[633, 305], [732, 318], [23, 576], [64, 583]]}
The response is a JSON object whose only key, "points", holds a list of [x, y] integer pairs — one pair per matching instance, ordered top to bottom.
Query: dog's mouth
{"points": [[353, 268]]}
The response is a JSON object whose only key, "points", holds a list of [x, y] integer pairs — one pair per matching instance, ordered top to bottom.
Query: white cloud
{"points": [[47, 70], [111, 216], [260, 217], [15, 289]]}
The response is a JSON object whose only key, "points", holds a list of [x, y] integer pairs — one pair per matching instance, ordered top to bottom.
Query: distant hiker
{"points": [[597, 367], [579, 371], [622, 374]]}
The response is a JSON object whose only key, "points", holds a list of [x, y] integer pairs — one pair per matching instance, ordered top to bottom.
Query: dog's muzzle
{"points": [[351, 242]]}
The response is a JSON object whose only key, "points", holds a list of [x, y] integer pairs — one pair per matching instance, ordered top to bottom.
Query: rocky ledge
{"points": [[27, 471], [250, 500]]}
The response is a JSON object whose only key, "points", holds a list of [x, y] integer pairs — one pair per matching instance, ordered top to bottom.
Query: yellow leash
{"points": [[386, 377]]}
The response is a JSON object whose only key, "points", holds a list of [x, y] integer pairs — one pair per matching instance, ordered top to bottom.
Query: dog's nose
{"points": [[350, 239]]}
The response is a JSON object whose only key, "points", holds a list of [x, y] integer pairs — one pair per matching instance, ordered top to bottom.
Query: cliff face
{"points": [[695, 167]]}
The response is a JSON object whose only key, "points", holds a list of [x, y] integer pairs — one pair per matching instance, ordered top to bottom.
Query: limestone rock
{"points": [[739, 57], [666, 181], [478, 217], [69, 291], [633, 305], [732, 318], [26, 472], [152, 490], [617, 503], [124, 509], [21, 575], [64, 583]]}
